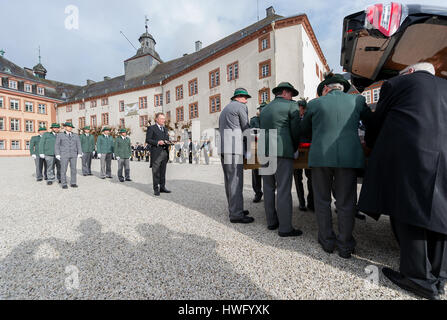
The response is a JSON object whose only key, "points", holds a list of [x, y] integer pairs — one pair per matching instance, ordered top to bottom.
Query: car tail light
{"points": [[386, 18]]}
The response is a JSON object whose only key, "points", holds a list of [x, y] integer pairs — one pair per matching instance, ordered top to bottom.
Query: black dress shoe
{"points": [[90, 174], [85, 175], [109, 177], [45, 178], [39, 180], [121, 180], [129, 180], [59, 181], [49, 183], [74, 186], [64, 187], [164, 190], [157, 193], [258, 198], [303, 208], [246, 212], [360, 216], [244, 220], [273, 227], [293, 233], [325, 248], [345, 254], [406, 284], [441, 288]]}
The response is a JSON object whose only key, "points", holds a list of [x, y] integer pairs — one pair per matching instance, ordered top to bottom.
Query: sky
{"points": [[97, 48]]}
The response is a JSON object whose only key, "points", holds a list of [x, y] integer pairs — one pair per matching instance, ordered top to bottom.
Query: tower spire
{"points": [[146, 20], [39, 56]]}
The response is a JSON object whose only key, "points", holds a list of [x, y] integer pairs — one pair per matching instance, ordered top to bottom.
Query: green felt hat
{"points": [[333, 78], [285, 85], [240, 92], [302, 103], [262, 105], [68, 124], [55, 125], [87, 128], [42, 129], [105, 129], [123, 130]]}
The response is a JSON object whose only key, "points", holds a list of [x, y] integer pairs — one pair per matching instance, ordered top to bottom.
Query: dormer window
{"points": [[13, 84], [28, 87], [41, 91]]}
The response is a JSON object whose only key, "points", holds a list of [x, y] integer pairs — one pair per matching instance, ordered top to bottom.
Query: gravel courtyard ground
{"points": [[112, 240]]}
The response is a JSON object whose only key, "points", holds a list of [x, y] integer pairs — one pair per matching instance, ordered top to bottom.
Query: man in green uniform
{"points": [[282, 115], [88, 146], [104, 147], [34, 150], [46, 150], [123, 152], [335, 154], [256, 179]]}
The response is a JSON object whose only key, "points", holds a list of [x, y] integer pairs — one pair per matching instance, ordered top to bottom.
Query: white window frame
{"points": [[265, 70], [12, 84], [28, 87], [41, 91], [367, 95], [16, 104], [27, 104], [44, 106], [2, 123], [16, 126], [29, 126], [2, 145], [18, 145]]}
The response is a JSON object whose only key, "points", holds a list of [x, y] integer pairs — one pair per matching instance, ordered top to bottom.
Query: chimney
{"points": [[270, 11], [198, 45], [106, 78], [89, 82]]}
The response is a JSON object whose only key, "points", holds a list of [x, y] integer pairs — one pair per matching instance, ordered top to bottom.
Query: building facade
{"points": [[193, 89], [27, 101]]}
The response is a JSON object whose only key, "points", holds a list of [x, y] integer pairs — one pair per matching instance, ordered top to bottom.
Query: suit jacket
{"points": [[282, 115], [233, 117], [333, 121], [153, 135], [46, 143], [87, 143], [34, 145], [104, 145], [66, 146], [122, 148], [406, 176]]}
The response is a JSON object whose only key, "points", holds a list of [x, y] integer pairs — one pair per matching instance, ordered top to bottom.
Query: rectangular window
{"points": [[264, 42], [265, 69], [233, 71], [214, 78], [13, 84], [28, 87], [193, 87], [40, 91], [179, 93], [264, 95], [367, 95], [376, 95], [168, 96], [158, 100], [104, 101], [143, 102], [2, 104], [14, 104], [93, 104], [215, 104], [82, 106], [121, 106], [29, 107], [69, 108], [42, 109], [193, 110], [168, 115], [179, 115], [105, 119], [69, 120], [143, 121], [81, 122], [93, 122], [2, 123], [122, 123], [42, 124], [15, 125], [29, 126], [2, 144], [27, 144], [15, 145]]}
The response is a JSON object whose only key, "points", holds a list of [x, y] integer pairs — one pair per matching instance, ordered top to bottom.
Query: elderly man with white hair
{"points": [[335, 154], [407, 175]]}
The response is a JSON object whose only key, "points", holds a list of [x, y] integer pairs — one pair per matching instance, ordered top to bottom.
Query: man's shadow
{"points": [[165, 265]]}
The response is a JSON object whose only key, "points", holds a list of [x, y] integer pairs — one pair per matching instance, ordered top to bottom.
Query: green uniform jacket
{"points": [[283, 115], [333, 121], [254, 122], [47, 143], [87, 143], [34, 145], [104, 145], [123, 148]]}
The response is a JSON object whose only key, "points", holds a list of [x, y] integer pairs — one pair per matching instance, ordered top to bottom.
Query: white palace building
{"points": [[193, 89]]}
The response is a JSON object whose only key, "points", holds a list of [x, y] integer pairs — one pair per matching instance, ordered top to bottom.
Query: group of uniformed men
{"points": [[56, 150], [406, 176]]}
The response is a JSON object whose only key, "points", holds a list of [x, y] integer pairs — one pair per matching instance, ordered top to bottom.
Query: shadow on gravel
{"points": [[376, 245], [166, 265]]}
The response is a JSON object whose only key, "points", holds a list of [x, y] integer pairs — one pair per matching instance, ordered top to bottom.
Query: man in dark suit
{"points": [[158, 138], [406, 177]]}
